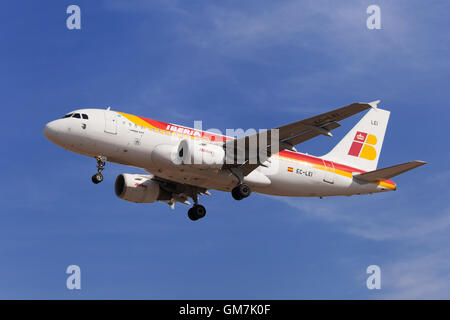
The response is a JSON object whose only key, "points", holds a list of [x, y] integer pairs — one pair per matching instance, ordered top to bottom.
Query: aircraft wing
{"points": [[292, 134], [389, 172]]}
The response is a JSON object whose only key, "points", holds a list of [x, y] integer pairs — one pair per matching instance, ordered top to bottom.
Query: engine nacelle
{"points": [[200, 154], [165, 156], [137, 188]]}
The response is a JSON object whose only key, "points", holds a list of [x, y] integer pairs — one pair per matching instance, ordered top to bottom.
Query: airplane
{"points": [[183, 162]]}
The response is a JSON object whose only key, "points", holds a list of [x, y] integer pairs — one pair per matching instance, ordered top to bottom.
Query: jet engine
{"points": [[200, 154], [164, 156], [137, 188]]}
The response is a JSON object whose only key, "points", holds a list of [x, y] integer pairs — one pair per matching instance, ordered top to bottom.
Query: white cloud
{"points": [[335, 50], [369, 217], [414, 227], [420, 277]]}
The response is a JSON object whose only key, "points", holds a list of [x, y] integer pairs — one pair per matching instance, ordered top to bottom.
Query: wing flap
{"points": [[389, 172]]}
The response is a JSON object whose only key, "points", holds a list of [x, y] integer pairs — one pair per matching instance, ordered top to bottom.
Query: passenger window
{"points": [[77, 115], [85, 116]]}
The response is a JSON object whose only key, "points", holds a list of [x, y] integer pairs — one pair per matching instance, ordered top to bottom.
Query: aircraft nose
{"points": [[50, 130]]}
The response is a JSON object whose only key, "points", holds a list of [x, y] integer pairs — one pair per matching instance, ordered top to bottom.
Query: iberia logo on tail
{"points": [[362, 146]]}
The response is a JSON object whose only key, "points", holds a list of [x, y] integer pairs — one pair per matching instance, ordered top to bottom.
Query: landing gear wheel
{"points": [[97, 178], [241, 191], [235, 194], [196, 212], [191, 215]]}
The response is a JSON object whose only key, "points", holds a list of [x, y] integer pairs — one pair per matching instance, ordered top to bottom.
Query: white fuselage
{"points": [[121, 139]]}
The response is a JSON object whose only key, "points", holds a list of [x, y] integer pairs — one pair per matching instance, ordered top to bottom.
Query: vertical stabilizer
{"points": [[361, 146]]}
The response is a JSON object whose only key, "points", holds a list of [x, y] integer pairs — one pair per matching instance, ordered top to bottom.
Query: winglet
{"points": [[374, 104]]}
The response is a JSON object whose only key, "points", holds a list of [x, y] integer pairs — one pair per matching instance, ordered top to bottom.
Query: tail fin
{"points": [[361, 146]]}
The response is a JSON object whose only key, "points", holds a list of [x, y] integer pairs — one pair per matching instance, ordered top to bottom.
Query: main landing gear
{"points": [[98, 177], [241, 191], [197, 211]]}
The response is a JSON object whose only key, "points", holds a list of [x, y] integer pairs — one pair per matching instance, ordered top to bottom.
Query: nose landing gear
{"points": [[98, 177]]}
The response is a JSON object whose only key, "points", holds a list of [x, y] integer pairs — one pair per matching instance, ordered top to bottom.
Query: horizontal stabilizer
{"points": [[389, 172]]}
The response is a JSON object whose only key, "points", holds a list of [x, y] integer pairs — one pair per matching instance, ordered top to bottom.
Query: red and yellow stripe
{"points": [[161, 126], [339, 169]]}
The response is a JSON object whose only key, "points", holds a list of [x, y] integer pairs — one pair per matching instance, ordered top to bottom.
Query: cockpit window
{"points": [[76, 115]]}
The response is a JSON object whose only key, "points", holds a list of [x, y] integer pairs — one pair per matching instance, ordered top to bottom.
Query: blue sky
{"points": [[256, 64]]}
